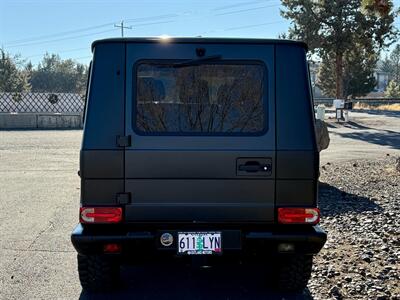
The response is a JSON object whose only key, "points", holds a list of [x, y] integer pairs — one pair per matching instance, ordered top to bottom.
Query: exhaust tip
{"points": [[286, 247]]}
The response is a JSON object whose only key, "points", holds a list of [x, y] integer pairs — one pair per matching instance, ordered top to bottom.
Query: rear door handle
{"points": [[252, 167]]}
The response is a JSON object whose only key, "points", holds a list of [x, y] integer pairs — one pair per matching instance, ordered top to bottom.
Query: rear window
{"points": [[210, 99]]}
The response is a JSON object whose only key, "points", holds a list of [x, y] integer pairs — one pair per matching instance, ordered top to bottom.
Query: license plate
{"points": [[193, 243]]}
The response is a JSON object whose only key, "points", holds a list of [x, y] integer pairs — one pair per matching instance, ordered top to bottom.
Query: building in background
{"points": [[313, 67], [382, 80]]}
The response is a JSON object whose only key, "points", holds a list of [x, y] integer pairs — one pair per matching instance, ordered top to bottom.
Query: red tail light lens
{"points": [[95, 215], [295, 215], [112, 248]]}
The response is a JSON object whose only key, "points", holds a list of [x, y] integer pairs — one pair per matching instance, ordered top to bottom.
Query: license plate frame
{"points": [[199, 243]]}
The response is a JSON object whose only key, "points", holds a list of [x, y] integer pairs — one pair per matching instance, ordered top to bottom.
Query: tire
{"points": [[98, 272], [293, 272]]}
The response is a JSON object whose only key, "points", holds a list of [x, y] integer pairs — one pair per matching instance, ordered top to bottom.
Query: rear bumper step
{"points": [[308, 240]]}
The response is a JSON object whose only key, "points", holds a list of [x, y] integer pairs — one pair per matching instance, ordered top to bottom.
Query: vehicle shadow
{"points": [[386, 113], [349, 124], [354, 125], [367, 134], [383, 138], [333, 201], [180, 282]]}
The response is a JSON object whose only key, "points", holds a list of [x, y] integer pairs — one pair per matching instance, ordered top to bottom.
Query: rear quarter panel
{"points": [[297, 155], [101, 161]]}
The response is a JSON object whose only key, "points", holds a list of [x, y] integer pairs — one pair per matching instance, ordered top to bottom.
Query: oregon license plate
{"points": [[193, 243]]}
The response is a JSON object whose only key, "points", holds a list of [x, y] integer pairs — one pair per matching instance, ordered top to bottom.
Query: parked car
{"points": [[198, 147]]}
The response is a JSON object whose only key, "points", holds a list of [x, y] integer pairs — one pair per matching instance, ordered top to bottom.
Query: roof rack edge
{"points": [[201, 40]]}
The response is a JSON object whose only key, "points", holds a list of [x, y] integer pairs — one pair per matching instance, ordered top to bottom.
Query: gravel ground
{"points": [[360, 207]]}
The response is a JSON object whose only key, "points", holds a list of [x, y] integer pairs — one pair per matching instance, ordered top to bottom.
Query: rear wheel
{"points": [[98, 272], [293, 272]]}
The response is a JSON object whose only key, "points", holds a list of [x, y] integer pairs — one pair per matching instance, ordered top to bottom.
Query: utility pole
{"points": [[121, 25]]}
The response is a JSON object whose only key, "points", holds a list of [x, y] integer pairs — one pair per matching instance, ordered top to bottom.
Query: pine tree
{"points": [[334, 29], [394, 64], [358, 73], [56, 75], [12, 77], [393, 90]]}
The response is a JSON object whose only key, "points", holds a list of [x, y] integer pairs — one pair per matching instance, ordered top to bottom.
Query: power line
{"points": [[225, 7], [245, 10], [165, 16], [134, 20], [153, 23], [121, 25], [253, 25], [57, 34], [88, 34], [83, 35], [62, 39], [35, 40], [27, 41], [85, 48]]}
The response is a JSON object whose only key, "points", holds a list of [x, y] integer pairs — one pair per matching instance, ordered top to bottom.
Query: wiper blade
{"points": [[197, 61]]}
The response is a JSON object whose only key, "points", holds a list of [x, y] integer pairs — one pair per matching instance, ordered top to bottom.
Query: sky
{"points": [[67, 27]]}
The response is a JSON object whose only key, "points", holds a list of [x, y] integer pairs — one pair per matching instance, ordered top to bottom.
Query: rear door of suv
{"points": [[200, 122]]}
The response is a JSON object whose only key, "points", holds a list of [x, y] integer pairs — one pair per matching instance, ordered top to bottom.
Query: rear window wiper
{"points": [[197, 61]]}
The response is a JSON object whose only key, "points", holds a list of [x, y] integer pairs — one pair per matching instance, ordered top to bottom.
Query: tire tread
{"points": [[97, 272], [294, 272]]}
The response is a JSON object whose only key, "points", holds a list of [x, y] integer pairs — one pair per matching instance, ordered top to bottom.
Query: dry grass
{"points": [[391, 107]]}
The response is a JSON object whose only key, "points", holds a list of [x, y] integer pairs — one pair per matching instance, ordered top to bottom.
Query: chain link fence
{"points": [[29, 102]]}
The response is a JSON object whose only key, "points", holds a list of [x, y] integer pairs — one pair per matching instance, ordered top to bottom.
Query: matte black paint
{"points": [[178, 40], [105, 108], [201, 157], [293, 159], [102, 163], [190, 164], [296, 164], [195, 180], [101, 191], [295, 192], [306, 240]]}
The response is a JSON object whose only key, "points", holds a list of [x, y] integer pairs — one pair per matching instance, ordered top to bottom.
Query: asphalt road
{"points": [[368, 135], [39, 200]]}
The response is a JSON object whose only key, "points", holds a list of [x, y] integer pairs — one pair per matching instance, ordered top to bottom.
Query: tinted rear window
{"points": [[213, 98]]}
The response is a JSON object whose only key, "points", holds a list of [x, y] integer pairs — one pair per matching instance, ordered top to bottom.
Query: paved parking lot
{"points": [[369, 135], [39, 194], [39, 200]]}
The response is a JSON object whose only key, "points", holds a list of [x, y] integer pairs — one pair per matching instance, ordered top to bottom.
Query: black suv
{"points": [[198, 148]]}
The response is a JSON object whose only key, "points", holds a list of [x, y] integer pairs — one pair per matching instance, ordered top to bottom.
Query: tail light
{"points": [[95, 215], [295, 215], [112, 248]]}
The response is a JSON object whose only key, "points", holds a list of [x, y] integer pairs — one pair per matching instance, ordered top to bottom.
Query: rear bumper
{"points": [[305, 240]]}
